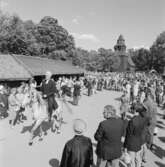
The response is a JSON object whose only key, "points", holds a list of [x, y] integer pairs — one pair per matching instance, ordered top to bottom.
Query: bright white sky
{"points": [[98, 23]]}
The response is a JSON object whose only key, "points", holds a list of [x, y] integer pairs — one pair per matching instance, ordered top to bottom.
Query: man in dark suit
{"points": [[89, 87], [48, 89], [76, 92], [136, 134], [109, 135], [78, 152]]}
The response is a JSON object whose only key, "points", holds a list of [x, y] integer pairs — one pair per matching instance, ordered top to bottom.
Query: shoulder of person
{"points": [[119, 119], [104, 122], [87, 139], [69, 143]]}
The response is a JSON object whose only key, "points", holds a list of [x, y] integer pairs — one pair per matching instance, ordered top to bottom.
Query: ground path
{"points": [[15, 151]]}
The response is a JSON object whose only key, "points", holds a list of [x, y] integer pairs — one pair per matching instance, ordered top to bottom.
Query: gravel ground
{"points": [[15, 151]]}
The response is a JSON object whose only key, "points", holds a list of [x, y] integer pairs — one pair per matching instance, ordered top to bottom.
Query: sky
{"points": [[98, 23]]}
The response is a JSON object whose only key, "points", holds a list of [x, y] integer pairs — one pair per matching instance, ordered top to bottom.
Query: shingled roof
{"points": [[37, 66], [11, 69]]}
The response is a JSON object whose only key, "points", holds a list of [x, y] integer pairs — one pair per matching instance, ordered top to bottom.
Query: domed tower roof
{"points": [[121, 40], [120, 45], [122, 60]]}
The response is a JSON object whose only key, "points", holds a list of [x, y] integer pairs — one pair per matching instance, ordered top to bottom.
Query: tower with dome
{"points": [[122, 60]]}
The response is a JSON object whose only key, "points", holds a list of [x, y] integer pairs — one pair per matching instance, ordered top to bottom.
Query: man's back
{"points": [[113, 130], [134, 133], [109, 136], [78, 152]]}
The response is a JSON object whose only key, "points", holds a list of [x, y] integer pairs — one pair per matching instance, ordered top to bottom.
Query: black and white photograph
{"points": [[82, 83]]}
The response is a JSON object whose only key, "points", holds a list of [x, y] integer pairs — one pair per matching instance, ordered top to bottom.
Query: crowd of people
{"points": [[129, 132], [120, 136]]}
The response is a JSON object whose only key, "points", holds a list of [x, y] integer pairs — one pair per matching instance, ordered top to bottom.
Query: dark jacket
{"points": [[49, 89], [77, 89], [4, 100], [135, 133], [109, 135], [78, 152]]}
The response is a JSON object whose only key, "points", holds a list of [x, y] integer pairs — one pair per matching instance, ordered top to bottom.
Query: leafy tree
{"points": [[52, 36], [13, 37], [47, 38], [33, 46], [158, 53], [58, 55], [80, 57], [105, 59], [142, 59], [93, 60]]}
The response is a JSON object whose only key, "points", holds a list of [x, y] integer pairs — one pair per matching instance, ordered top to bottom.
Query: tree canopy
{"points": [[49, 39], [158, 53], [153, 58], [142, 59], [100, 60]]}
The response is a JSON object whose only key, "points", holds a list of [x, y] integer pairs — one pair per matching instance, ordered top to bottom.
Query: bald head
{"points": [[48, 75]]}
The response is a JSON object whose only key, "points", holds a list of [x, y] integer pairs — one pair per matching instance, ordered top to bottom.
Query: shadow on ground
{"points": [[118, 99], [71, 102], [159, 114], [160, 122], [160, 126], [45, 127], [27, 128], [162, 139], [158, 151], [54, 163], [159, 164]]}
